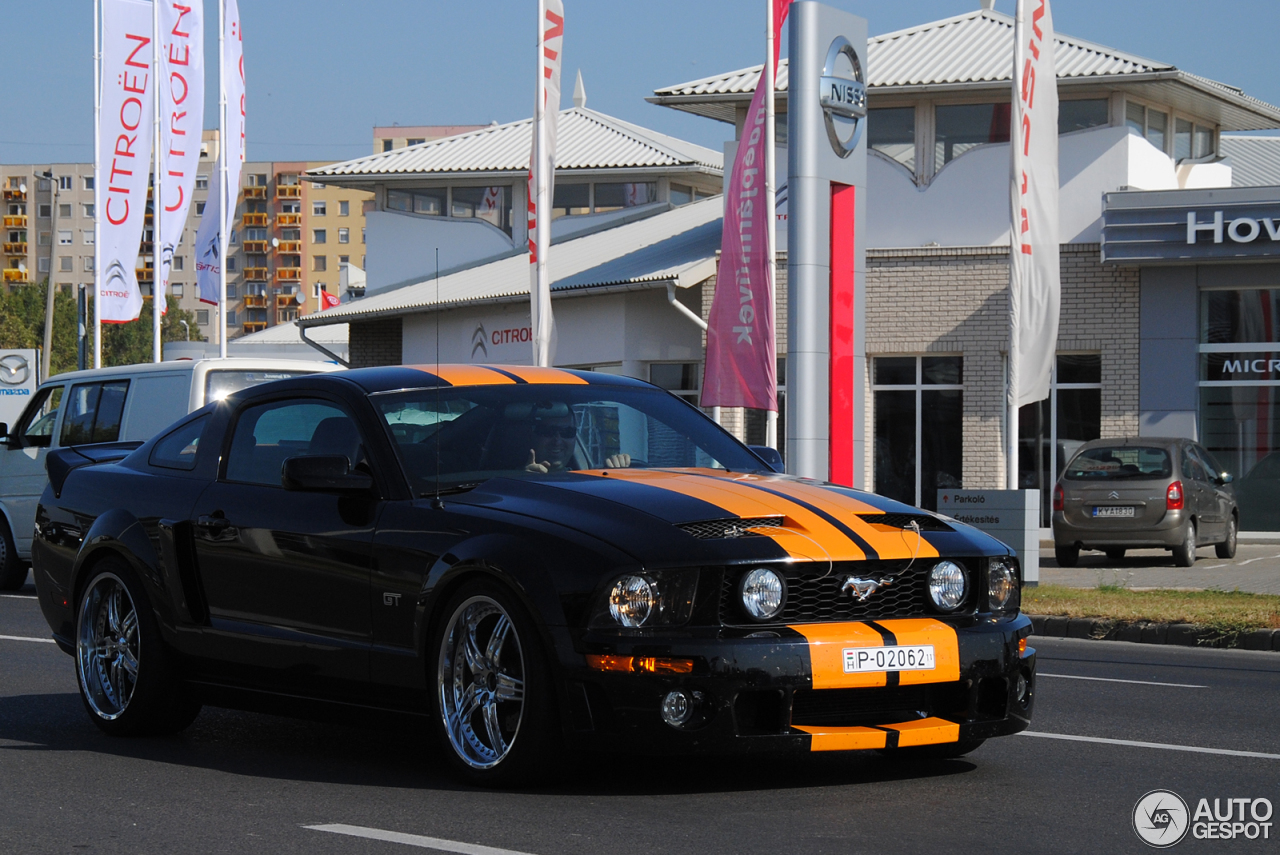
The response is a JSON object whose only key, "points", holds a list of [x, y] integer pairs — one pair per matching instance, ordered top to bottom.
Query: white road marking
{"points": [[1241, 563], [19, 596], [26, 638], [1114, 680], [1132, 744], [413, 840]]}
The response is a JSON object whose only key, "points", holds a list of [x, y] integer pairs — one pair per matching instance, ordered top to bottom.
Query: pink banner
{"points": [[742, 358]]}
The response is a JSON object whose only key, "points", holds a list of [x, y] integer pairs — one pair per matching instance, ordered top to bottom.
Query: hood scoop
{"points": [[903, 521], [737, 527]]}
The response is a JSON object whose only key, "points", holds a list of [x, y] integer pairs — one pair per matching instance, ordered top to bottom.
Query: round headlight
{"points": [[947, 585], [1002, 586], [762, 593], [631, 601]]}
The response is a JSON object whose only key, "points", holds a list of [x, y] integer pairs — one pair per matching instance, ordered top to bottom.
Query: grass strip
{"points": [[1226, 614]]}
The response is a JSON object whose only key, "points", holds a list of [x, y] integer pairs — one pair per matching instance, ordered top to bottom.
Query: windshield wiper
{"points": [[450, 490]]}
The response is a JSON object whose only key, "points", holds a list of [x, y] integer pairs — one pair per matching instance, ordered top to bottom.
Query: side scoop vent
{"points": [[926, 522], [716, 529]]}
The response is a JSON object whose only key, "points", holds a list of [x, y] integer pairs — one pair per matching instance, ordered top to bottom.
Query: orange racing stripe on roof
{"points": [[531, 374], [465, 375]]}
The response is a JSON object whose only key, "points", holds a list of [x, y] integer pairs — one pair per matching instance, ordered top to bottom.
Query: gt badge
{"points": [[864, 588], [389, 599]]}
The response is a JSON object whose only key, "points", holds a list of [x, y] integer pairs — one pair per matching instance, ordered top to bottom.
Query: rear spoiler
{"points": [[59, 464]]}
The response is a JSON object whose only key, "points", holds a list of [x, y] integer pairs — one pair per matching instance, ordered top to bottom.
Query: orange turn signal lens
{"points": [[1022, 646], [640, 664]]}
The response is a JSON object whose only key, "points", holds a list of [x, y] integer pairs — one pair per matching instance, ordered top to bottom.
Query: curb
{"points": [[1145, 632]]}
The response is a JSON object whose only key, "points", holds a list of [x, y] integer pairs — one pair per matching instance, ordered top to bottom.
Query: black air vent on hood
{"points": [[926, 522], [712, 529]]}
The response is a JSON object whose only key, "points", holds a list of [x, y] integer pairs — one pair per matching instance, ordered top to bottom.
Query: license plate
{"points": [[1113, 511], [916, 657]]}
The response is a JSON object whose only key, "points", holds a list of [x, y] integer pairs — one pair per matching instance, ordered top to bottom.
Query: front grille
{"points": [[925, 521], [712, 529], [814, 595], [885, 705]]}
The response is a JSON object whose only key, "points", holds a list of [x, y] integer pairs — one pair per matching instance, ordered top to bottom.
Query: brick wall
{"points": [[375, 343]]}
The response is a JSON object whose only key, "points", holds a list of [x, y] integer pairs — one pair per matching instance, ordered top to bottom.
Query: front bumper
{"points": [[783, 690]]}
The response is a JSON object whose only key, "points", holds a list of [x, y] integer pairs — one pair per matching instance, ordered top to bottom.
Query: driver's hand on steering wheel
{"points": [[618, 461]]}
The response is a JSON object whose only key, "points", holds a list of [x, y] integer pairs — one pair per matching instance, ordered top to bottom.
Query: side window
{"points": [[93, 412], [36, 428], [267, 435], [178, 449], [1210, 463], [1191, 467]]}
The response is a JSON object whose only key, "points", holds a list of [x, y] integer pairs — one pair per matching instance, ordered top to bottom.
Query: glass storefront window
{"points": [[1078, 115], [960, 127], [892, 132], [1240, 397], [757, 420], [1060, 424], [919, 427]]}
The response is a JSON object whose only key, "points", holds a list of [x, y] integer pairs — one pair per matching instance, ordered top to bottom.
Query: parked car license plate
{"points": [[1113, 511], [915, 657]]}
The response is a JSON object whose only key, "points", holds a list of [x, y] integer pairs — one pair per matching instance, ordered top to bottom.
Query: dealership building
{"points": [[1168, 232]]}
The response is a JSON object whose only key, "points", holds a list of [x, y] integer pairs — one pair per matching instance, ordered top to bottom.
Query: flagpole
{"points": [[97, 183], [771, 204], [543, 210], [224, 212], [157, 274]]}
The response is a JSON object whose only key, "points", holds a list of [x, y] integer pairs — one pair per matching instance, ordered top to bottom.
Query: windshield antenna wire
{"points": [[437, 503]]}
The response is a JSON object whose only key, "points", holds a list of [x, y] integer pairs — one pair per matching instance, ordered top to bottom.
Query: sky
{"points": [[321, 73]]}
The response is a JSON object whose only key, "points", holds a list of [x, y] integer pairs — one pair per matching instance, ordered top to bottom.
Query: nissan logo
{"points": [[842, 92], [14, 370]]}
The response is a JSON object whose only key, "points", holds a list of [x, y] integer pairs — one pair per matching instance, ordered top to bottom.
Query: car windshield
{"points": [[220, 384], [470, 434], [1103, 464]]}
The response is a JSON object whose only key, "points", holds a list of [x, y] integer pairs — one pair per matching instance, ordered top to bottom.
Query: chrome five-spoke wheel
{"points": [[107, 646], [481, 676]]}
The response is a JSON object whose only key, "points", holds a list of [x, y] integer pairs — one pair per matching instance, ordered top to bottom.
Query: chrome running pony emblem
{"points": [[862, 589]]}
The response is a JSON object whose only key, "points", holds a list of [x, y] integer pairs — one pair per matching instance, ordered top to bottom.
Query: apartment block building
{"points": [[393, 137], [288, 244]]}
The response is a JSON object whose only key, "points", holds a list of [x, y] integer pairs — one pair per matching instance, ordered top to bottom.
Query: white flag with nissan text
{"points": [[233, 79], [181, 87], [124, 166], [542, 172], [1034, 282]]}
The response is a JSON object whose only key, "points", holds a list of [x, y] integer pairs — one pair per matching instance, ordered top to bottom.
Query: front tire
{"points": [[1227, 549], [1184, 554], [1066, 556], [13, 573], [123, 666], [494, 711]]}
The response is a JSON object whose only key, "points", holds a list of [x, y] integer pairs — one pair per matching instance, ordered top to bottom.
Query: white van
{"points": [[129, 403]]}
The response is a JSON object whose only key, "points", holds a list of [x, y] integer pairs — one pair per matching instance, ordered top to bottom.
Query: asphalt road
{"points": [[1255, 568], [244, 783]]}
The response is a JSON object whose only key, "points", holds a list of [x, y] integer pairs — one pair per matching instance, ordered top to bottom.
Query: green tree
{"points": [[22, 326]]}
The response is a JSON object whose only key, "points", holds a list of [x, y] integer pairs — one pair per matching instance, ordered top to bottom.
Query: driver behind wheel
{"points": [[553, 436]]}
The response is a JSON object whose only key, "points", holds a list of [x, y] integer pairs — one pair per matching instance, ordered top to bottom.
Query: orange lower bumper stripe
{"points": [[926, 731], [844, 738]]}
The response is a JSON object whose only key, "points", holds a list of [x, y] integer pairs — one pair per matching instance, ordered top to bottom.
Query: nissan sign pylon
{"points": [[826, 177]]}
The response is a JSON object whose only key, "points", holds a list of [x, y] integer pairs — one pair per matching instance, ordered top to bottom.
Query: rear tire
{"points": [[1227, 549], [1115, 554], [1184, 554], [1067, 556], [13, 573], [125, 671], [494, 709], [944, 751]]}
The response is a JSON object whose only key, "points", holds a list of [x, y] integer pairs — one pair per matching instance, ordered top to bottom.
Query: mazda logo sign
{"points": [[842, 92], [14, 370]]}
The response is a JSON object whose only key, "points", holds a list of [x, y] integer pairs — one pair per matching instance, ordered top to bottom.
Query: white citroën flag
{"points": [[181, 88], [124, 165], [542, 170], [215, 228], [1034, 282]]}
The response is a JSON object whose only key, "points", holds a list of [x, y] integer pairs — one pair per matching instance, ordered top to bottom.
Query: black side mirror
{"points": [[4, 430], [770, 456], [328, 473], [1223, 480]]}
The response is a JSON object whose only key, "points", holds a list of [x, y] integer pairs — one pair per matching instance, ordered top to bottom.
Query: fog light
{"points": [[1022, 688], [677, 708]]}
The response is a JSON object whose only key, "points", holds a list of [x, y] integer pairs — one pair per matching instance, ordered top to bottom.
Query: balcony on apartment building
{"points": [[288, 191], [253, 192], [13, 194], [251, 220], [283, 220], [15, 221], [290, 246], [257, 247], [19, 248], [13, 274], [256, 274], [288, 274], [145, 275], [255, 301], [286, 301], [254, 326]]}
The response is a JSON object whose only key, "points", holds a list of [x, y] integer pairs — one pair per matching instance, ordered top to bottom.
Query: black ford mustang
{"points": [[532, 558]]}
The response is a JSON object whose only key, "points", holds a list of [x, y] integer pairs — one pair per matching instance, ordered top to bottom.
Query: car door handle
{"points": [[212, 524]]}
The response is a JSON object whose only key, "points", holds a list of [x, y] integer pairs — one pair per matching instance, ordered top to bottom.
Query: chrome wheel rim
{"points": [[107, 647], [480, 679]]}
